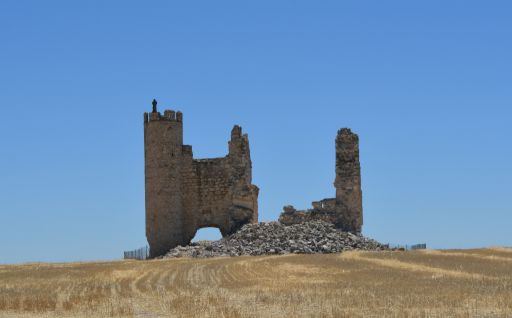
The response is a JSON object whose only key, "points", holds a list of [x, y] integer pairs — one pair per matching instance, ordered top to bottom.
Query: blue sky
{"points": [[427, 85]]}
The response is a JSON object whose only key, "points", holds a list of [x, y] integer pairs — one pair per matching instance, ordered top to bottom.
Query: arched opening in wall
{"points": [[207, 234]]}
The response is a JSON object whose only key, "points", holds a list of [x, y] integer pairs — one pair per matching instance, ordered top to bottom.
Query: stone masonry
{"points": [[184, 194], [346, 210]]}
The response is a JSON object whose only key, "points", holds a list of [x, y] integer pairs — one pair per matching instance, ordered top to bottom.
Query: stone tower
{"points": [[184, 194], [349, 197], [346, 210]]}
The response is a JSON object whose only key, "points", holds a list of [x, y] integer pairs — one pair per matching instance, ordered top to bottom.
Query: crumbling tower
{"points": [[184, 194], [349, 197], [346, 210]]}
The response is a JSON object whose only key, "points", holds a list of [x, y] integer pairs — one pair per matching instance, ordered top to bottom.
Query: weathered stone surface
{"points": [[184, 194], [349, 197], [346, 210], [275, 238]]}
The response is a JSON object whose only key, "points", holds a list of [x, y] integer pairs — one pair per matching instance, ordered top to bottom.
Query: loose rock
{"points": [[267, 238]]}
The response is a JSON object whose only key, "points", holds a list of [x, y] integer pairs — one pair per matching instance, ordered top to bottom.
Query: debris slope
{"points": [[267, 238]]}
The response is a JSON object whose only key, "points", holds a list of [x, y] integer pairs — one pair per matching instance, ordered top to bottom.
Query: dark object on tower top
{"points": [[154, 102]]}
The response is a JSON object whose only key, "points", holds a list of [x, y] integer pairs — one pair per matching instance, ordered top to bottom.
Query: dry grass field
{"points": [[451, 283]]}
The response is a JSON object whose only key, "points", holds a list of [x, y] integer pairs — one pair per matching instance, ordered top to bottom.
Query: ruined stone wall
{"points": [[184, 194], [211, 196], [322, 210], [346, 210]]}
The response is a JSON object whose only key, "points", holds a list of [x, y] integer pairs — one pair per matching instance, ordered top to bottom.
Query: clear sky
{"points": [[427, 85]]}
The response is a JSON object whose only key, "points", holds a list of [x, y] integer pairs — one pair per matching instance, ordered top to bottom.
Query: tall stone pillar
{"points": [[349, 198]]}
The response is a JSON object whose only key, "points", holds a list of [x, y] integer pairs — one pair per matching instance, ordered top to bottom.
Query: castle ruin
{"points": [[184, 194], [346, 210]]}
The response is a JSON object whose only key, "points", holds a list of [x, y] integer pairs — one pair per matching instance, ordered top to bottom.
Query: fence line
{"points": [[421, 246], [406, 247], [140, 253]]}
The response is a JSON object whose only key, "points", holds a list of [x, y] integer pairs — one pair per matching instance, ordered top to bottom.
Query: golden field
{"points": [[430, 283]]}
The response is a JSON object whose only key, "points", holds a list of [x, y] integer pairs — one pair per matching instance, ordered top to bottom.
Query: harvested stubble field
{"points": [[449, 283]]}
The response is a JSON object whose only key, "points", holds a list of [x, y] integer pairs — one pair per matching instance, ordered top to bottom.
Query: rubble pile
{"points": [[267, 238]]}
